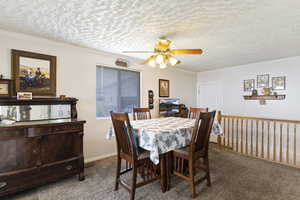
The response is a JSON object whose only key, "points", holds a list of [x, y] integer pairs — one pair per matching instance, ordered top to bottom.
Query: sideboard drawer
{"points": [[68, 128], [35, 132], [60, 170], [14, 182]]}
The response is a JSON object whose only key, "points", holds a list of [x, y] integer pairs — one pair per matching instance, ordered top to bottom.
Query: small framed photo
{"points": [[263, 81], [278, 83], [249, 85], [5, 88], [164, 88], [24, 95]]}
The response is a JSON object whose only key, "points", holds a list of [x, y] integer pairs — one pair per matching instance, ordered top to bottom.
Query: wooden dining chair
{"points": [[194, 112], [141, 113], [128, 151], [196, 151]]}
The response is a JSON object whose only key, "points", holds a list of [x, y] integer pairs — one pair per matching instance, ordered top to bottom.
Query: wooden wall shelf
{"points": [[265, 97]]}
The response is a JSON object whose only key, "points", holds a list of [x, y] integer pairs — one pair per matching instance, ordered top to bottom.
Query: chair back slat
{"points": [[194, 112], [141, 113], [202, 130], [123, 132]]}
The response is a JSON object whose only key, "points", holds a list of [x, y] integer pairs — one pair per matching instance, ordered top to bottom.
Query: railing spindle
{"points": [[224, 131], [232, 133], [237, 135], [246, 137], [228, 138], [242, 138], [251, 138], [262, 139], [274, 143], [288, 143], [295, 144], [268, 145], [256, 150], [280, 155]]}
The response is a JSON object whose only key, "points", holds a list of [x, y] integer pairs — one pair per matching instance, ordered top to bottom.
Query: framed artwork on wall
{"points": [[33, 72], [263, 81], [278, 83], [249, 85], [5, 88], [164, 88]]}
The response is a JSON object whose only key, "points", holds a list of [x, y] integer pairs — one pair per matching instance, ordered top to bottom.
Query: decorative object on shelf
{"points": [[121, 62], [33, 72], [1, 76], [263, 81], [278, 83], [249, 85], [5, 88], [164, 88], [267, 91], [254, 92], [24, 95], [62, 97], [150, 99], [262, 102]]}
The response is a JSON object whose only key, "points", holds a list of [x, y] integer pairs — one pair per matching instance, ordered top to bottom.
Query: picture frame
{"points": [[34, 72], [263, 81], [279, 83], [249, 85], [5, 88], [164, 88], [24, 96]]}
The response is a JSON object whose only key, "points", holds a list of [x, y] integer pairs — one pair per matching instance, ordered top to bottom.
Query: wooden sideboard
{"points": [[35, 153]]}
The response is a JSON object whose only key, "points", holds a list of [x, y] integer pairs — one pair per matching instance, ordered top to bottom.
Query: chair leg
{"points": [[206, 161], [118, 173], [192, 177], [133, 186]]}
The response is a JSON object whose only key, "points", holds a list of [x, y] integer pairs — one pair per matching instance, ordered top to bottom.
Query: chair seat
{"points": [[184, 153], [144, 155]]}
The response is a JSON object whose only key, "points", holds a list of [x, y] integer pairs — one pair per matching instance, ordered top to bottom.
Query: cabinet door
{"points": [[61, 146], [18, 151]]}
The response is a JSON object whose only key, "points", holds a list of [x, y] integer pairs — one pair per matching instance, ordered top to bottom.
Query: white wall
{"points": [[76, 77], [230, 92]]}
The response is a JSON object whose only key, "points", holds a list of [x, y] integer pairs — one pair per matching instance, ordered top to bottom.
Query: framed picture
{"points": [[33, 72], [263, 81], [278, 83], [249, 85], [5, 88], [164, 88], [24, 95]]}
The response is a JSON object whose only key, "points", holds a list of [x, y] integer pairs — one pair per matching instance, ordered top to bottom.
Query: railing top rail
{"points": [[261, 119]]}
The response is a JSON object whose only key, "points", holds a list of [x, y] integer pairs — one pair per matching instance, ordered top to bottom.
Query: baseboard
{"points": [[97, 158]]}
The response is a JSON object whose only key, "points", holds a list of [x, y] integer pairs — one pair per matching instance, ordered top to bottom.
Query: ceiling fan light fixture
{"points": [[160, 59], [151, 61], [173, 61], [163, 66]]}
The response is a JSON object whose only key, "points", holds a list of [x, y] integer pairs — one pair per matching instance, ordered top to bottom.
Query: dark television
{"points": [[169, 106]]}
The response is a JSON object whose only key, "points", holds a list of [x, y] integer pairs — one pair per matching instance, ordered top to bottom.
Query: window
{"points": [[117, 90]]}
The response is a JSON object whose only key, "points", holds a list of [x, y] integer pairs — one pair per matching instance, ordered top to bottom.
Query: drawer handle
{"points": [[69, 167], [2, 184]]}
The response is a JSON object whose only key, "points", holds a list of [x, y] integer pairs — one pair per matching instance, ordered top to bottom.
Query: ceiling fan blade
{"points": [[186, 51], [138, 52]]}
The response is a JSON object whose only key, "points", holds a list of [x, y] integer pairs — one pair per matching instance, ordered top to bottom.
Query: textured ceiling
{"points": [[231, 32]]}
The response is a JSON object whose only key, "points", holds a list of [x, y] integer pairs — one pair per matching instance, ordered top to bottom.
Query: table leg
{"points": [[163, 179]]}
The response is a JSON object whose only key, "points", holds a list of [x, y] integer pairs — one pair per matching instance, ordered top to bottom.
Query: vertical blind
{"points": [[117, 90]]}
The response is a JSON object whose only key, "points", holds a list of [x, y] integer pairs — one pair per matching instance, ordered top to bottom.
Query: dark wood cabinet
{"points": [[35, 153]]}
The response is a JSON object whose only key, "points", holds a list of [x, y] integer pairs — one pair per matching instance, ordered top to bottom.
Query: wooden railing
{"points": [[269, 139]]}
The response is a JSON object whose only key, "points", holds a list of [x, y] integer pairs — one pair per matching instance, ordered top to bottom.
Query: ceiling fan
{"points": [[163, 54]]}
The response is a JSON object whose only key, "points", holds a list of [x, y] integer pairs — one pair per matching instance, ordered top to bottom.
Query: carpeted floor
{"points": [[234, 177]]}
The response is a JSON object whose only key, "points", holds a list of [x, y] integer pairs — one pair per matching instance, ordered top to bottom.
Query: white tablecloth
{"points": [[162, 135]]}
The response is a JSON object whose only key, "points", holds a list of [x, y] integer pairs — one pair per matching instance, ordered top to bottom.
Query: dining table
{"points": [[160, 136]]}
